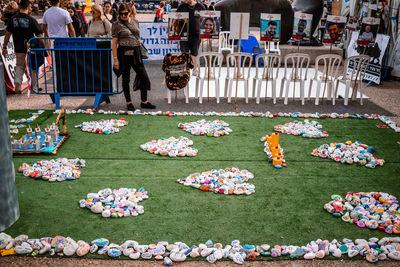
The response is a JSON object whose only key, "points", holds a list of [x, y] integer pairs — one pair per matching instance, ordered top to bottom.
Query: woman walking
{"points": [[109, 13], [98, 26], [126, 53]]}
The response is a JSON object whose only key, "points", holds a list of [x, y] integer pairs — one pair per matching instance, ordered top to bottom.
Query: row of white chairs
{"points": [[296, 67]]}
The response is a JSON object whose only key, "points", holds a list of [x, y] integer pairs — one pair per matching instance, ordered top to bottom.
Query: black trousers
{"points": [[142, 81]]}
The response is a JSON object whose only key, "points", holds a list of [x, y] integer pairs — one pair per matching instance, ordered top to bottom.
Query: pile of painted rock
{"points": [[267, 114], [18, 122], [102, 126], [204, 127], [305, 128], [171, 147], [349, 153], [59, 169], [227, 181], [115, 203], [374, 210], [373, 249]]}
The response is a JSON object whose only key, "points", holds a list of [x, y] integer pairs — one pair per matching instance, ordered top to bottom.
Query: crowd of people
{"points": [[116, 20]]}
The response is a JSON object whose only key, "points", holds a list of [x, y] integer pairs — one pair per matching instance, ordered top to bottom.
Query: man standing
{"points": [[56, 21], [22, 27], [193, 43]]}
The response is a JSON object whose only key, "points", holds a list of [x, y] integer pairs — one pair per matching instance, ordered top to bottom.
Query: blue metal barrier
{"points": [[73, 67]]}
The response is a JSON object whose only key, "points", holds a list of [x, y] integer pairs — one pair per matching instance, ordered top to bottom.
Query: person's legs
{"points": [[194, 44], [19, 71], [126, 73], [144, 84]]}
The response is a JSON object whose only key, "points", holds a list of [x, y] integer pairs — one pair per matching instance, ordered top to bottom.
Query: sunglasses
{"points": [[124, 13]]}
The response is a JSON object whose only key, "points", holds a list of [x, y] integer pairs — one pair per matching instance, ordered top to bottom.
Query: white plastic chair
{"points": [[225, 43], [272, 48], [211, 62], [235, 62], [330, 69], [268, 72], [296, 72], [353, 78], [185, 92]]}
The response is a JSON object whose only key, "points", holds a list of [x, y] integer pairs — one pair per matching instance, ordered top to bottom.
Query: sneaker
{"points": [[17, 88], [147, 105], [130, 107]]}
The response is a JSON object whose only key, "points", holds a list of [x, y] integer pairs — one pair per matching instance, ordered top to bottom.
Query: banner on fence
{"points": [[155, 37], [376, 52], [10, 60]]}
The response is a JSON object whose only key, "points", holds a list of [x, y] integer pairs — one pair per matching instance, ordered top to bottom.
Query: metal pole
{"points": [[9, 208]]}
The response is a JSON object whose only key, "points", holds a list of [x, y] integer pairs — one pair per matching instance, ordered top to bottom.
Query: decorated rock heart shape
{"points": [[102, 126], [204, 127], [305, 128], [171, 147], [349, 153], [59, 169], [226, 181], [115, 203], [374, 210]]}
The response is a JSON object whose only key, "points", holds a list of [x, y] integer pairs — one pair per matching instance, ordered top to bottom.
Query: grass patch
{"points": [[287, 207]]}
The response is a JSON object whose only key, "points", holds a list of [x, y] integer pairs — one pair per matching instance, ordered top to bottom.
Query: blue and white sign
{"points": [[155, 37]]}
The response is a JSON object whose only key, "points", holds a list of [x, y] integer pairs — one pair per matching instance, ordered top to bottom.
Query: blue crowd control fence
{"points": [[72, 67]]}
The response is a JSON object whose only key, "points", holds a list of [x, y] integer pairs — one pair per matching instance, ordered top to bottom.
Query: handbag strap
{"points": [[133, 33]]}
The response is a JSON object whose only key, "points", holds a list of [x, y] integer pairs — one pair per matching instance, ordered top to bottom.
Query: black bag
{"points": [[117, 72]]}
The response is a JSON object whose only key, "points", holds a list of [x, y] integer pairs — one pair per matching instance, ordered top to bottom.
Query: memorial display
{"points": [[209, 24], [178, 26], [270, 27], [334, 29], [209, 128], [305, 128], [38, 141], [172, 147], [273, 150], [228, 181], [374, 210]]}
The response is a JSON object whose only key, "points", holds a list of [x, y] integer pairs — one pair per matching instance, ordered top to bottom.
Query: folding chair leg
{"points": [[282, 85], [197, 87], [226, 87], [254, 88], [309, 89], [217, 90], [229, 90], [201, 91], [246, 91], [258, 91], [273, 91], [186, 92], [302, 92], [318, 92], [287, 93], [329, 93], [335, 93], [346, 93], [361, 93], [169, 95]]}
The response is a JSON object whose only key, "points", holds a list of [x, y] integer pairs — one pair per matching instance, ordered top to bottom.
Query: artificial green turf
{"points": [[287, 207]]}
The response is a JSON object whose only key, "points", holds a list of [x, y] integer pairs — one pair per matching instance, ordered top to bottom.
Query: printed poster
{"points": [[209, 24], [352, 24], [178, 26], [302, 26], [270, 27], [334, 29], [368, 31], [376, 52]]}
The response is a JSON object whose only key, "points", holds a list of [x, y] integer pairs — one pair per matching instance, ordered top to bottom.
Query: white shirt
{"points": [[56, 20]]}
